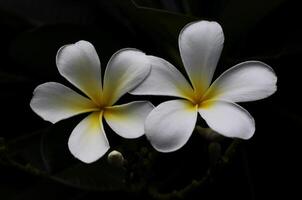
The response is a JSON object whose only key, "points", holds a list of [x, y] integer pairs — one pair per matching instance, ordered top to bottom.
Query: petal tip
{"points": [[197, 25], [129, 49], [35, 110], [85, 159]]}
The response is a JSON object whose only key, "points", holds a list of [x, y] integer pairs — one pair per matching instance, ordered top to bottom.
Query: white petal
{"points": [[200, 45], [80, 64], [126, 69], [164, 79], [247, 81], [54, 102], [228, 119], [128, 120], [169, 125], [88, 141]]}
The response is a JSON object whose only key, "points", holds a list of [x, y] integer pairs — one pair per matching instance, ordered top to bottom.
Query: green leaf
{"points": [[240, 17], [14, 22], [159, 26], [38, 61], [9, 83], [53, 146], [25, 150], [96, 176]]}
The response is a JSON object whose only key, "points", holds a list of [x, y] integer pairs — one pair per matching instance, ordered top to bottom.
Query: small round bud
{"points": [[115, 158]]}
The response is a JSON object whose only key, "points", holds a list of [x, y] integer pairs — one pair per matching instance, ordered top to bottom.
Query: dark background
{"points": [[35, 161]]}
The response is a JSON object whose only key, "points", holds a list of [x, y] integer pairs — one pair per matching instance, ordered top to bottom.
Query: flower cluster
{"points": [[169, 125]]}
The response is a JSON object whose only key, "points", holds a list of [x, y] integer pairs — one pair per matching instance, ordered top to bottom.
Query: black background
{"points": [[265, 166]]}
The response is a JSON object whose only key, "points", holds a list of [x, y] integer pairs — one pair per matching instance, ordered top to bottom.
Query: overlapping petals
{"points": [[80, 65], [126, 69], [164, 79], [128, 120], [169, 126]]}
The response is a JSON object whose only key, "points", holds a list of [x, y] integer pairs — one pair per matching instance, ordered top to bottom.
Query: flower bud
{"points": [[115, 158]]}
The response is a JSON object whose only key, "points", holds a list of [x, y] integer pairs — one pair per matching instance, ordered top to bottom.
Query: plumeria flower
{"points": [[80, 65], [170, 124]]}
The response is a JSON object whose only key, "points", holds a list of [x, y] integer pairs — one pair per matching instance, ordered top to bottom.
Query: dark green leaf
{"points": [[239, 17], [159, 26], [38, 61], [97, 176]]}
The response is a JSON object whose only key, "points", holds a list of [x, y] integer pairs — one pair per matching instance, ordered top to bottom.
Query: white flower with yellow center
{"points": [[80, 65], [170, 124]]}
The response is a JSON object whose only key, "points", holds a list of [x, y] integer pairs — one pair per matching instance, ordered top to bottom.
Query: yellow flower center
{"points": [[197, 99], [200, 99], [102, 103]]}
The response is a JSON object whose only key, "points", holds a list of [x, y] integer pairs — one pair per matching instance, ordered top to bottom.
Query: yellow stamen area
{"points": [[199, 84], [185, 92], [212, 93], [109, 95], [202, 99], [103, 102], [206, 104], [103, 107], [191, 107], [114, 114], [95, 121]]}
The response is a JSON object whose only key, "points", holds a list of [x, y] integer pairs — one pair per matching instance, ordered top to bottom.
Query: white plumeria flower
{"points": [[80, 65], [170, 124]]}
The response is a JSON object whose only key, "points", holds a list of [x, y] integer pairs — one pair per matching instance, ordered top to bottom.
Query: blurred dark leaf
{"points": [[150, 3], [50, 11], [240, 17], [13, 21], [11, 25], [159, 26], [268, 39], [46, 40], [9, 83], [16, 91], [2, 145], [53, 146], [25, 149], [46, 152], [97, 176]]}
